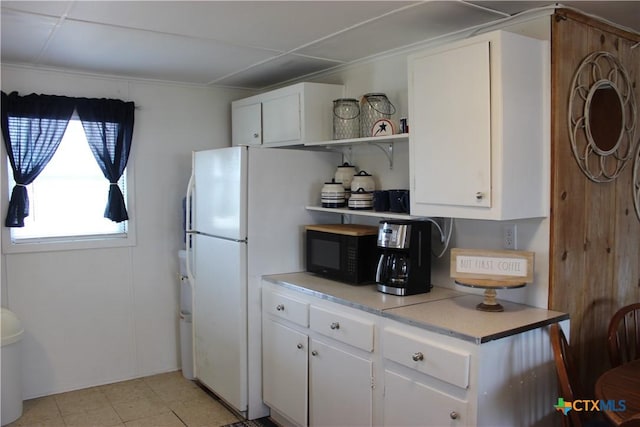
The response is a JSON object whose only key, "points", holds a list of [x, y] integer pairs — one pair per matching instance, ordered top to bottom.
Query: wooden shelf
{"points": [[400, 137], [370, 213]]}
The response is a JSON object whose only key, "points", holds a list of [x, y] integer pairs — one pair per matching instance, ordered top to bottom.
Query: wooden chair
{"points": [[624, 335], [568, 383], [631, 422]]}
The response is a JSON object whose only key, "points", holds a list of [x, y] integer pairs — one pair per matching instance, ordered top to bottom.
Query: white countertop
{"points": [[442, 310]]}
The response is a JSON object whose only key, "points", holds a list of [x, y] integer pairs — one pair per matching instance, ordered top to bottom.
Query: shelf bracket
{"points": [[388, 151]]}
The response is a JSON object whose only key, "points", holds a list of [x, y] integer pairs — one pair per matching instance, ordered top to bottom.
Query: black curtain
{"points": [[108, 124], [32, 128]]}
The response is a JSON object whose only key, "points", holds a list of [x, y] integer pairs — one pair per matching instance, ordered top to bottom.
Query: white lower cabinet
{"points": [[328, 364], [284, 370], [317, 375], [426, 379], [432, 379], [340, 387], [409, 402]]}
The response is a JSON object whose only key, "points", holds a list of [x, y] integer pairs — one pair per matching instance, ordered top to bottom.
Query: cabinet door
{"points": [[281, 119], [246, 124], [451, 127], [284, 370], [340, 387], [408, 402]]}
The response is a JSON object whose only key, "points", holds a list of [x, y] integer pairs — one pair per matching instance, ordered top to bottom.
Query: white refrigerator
{"points": [[247, 210]]}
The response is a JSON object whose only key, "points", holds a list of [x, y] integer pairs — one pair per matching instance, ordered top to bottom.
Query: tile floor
{"points": [[164, 400]]}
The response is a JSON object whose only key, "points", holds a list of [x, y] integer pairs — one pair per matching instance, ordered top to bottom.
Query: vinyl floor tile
{"points": [[127, 390], [164, 400], [81, 401], [42, 408], [130, 410], [203, 413], [103, 417], [168, 419]]}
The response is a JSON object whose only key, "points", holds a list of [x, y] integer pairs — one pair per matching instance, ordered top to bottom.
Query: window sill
{"points": [[68, 244]]}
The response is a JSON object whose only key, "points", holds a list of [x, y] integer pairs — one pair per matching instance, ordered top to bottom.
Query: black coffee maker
{"points": [[404, 266]]}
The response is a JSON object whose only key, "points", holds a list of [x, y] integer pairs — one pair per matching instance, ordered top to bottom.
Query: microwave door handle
{"points": [[420, 248]]}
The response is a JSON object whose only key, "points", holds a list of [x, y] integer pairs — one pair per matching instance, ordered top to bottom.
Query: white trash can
{"points": [[11, 367]]}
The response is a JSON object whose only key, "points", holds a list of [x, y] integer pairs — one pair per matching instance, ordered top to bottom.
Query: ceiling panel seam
{"points": [[486, 9], [64, 18], [61, 19], [316, 41]]}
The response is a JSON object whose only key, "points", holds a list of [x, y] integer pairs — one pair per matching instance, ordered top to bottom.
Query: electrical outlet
{"points": [[509, 236]]}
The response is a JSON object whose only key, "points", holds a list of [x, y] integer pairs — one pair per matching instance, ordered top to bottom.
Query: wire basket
{"points": [[373, 107], [346, 123]]}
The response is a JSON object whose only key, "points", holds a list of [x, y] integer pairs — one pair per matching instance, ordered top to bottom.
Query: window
{"points": [[84, 156], [68, 198]]}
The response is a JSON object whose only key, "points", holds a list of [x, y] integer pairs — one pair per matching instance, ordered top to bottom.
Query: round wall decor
{"points": [[602, 117]]}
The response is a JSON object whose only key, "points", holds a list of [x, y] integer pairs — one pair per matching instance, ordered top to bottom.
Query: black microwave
{"points": [[343, 252]]}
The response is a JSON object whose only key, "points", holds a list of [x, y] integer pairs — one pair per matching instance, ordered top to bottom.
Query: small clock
{"points": [[382, 127]]}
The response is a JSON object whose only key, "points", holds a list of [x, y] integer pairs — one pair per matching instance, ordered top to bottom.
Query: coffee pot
{"points": [[404, 265], [393, 268]]}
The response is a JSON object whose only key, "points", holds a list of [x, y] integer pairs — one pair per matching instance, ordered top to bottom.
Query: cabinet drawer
{"points": [[285, 307], [342, 327], [427, 356], [408, 402]]}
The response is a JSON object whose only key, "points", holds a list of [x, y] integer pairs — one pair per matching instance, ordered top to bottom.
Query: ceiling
{"points": [[243, 44]]}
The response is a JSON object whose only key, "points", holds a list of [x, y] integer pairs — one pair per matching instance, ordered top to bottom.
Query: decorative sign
{"points": [[382, 127], [470, 265], [492, 266]]}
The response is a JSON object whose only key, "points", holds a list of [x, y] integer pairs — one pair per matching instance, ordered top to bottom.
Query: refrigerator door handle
{"points": [[188, 221], [188, 224], [215, 236], [188, 243]]}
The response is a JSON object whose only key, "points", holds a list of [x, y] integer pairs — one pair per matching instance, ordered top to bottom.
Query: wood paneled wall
{"points": [[595, 233]]}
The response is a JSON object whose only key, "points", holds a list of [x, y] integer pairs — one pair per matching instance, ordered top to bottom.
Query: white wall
{"points": [[389, 75], [96, 316]]}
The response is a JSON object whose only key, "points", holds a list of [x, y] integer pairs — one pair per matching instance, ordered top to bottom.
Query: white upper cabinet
{"points": [[292, 115], [281, 118], [246, 124], [479, 128]]}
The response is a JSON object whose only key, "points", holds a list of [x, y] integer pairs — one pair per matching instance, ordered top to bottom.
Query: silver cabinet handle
{"points": [[255, 135], [479, 195], [280, 307], [335, 325], [299, 346], [314, 353], [417, 357], [454, 415]]}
